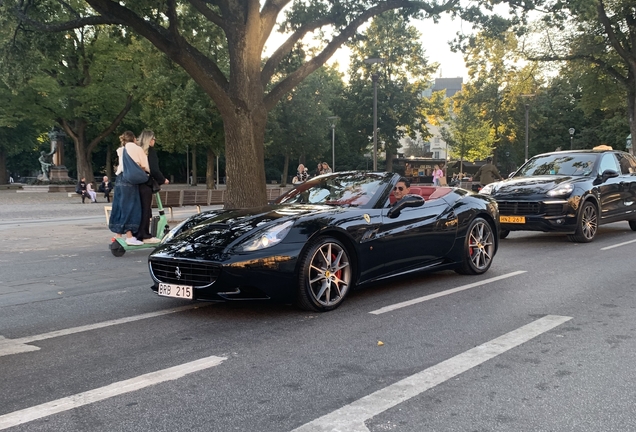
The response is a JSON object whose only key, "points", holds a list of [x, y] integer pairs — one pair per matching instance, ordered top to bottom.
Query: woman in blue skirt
{"points": [[125, 216]]}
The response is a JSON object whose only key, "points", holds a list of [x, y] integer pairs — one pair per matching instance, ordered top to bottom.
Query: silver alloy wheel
{"points": [[589, 223], [481, 245], [329, 274]]}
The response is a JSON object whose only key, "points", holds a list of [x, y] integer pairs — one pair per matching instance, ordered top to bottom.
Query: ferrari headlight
{"points": [[486, 190], [561, 190], [173, 232], [268, 238]]}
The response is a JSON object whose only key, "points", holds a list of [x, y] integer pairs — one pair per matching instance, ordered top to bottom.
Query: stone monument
{"points": [[58, 173]]}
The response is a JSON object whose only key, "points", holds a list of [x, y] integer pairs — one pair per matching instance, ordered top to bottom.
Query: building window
{"points": [[436, 140], [436, 155]]}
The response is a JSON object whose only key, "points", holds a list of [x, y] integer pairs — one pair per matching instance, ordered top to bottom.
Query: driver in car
{"points": [[402, 188]]}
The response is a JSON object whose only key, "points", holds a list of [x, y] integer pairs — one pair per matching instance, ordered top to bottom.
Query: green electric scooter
{"points": [[158, 228]]}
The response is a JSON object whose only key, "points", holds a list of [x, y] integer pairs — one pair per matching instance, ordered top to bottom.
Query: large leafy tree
{"points": [[599, 33], [402, 76], [81, 77], [500, 86], [245, 92], [182, 116], [297, 125], [18, 133], [468, 135]]}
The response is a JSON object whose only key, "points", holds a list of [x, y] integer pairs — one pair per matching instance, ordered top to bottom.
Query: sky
{"points": [[435, 38]]}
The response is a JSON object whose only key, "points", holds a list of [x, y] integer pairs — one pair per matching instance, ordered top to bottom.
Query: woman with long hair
{"points": [[147, 143], [125, 216]]}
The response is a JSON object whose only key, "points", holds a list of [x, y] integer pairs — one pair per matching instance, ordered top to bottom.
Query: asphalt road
{"points": [[544, 341]]}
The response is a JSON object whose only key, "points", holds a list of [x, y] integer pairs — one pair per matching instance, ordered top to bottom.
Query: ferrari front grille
{"points": [[185, 272]]}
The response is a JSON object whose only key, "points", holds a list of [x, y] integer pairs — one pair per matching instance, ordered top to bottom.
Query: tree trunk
{"points": [[245, 159], [389, 159], [109, 161], [3, 166], [194, 166], [209, 172], [283, 182]]}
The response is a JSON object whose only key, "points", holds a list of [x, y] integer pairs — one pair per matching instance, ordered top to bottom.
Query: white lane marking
{"points": [[618, 245], [443, 293], [14, 346], [60, 405], [351, 418]]}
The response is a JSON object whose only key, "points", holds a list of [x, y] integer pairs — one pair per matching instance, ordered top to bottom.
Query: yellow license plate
{"points": [[512, 219]]}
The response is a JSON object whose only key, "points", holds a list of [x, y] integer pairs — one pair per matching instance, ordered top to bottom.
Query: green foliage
{"points": [[402, 77], [297, 126], [468, 136]]}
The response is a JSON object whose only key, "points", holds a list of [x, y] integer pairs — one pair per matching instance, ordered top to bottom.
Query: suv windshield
{"points": [[570, 164], [352, 189]]}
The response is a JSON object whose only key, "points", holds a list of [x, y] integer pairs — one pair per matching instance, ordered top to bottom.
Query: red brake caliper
{"points": [[339, 272]]}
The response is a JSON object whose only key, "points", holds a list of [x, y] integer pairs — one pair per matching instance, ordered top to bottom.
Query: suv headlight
{"points": [[486, 190], [561, 190], [268, 238]]}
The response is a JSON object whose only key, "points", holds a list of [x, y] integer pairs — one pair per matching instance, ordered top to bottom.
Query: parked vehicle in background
{"points": [[568, 191]]}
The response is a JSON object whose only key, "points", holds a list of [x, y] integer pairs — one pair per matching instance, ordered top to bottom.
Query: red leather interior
{"points": [[426, 192]]}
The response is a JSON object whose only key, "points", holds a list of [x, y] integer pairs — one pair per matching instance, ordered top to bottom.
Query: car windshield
{"points": [[570, 164], [346, 189]]}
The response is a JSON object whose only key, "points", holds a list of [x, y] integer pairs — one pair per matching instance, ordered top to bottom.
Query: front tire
{"points": [[587, 224], [632, 224], [503, 233], [479, 248], [116, 249], [325, 276]]}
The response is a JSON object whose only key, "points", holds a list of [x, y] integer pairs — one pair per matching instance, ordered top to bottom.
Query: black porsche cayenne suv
{"points": [[568, 191]]}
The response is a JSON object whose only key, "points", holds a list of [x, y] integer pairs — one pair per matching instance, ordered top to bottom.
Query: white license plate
{"points": [[177, 291]]}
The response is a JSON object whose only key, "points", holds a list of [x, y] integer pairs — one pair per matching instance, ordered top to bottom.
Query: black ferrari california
{"points": [[319, 240]]}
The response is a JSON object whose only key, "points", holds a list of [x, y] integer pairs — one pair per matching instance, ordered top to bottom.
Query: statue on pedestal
{"points": [[45, 165]]}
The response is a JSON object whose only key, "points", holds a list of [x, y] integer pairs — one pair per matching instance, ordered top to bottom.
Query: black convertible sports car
{"points": [[571, 192], [322, 238]]}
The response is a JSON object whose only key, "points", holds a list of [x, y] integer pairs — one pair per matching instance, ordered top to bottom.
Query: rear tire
{"points": [[587, 224], [632, 225], [503, 233], [479, 248], [116, 249], [325, 277]]}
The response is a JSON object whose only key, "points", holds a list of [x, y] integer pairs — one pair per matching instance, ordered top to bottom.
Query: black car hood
{"points": [[529, 187], [210, 233]]}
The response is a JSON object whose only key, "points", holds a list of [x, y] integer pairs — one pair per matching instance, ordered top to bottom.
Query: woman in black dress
{"points": [[147, 142]]}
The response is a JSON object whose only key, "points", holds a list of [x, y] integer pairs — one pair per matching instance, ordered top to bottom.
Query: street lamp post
{"points": [[374, 78], [527, 106], [332, 123], [571, 130], [526, 146]]}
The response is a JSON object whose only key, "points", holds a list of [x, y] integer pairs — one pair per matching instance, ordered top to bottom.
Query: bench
{"points": [[99, 194]]}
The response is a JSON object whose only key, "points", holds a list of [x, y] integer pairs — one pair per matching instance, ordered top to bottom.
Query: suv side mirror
{"points": [[607, 174], [407, 201]]}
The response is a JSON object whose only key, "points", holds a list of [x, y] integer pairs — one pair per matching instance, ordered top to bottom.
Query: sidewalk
{"points": [[28, 208]]}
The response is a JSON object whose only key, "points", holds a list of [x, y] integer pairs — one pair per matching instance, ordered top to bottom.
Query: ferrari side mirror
{"points": [[407, 201]]}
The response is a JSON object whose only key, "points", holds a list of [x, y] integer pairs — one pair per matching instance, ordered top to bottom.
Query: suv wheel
{"points": [[587, 225]]}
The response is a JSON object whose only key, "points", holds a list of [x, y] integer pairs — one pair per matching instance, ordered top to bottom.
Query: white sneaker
{"points": [[152, 240], [132, 241]]}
